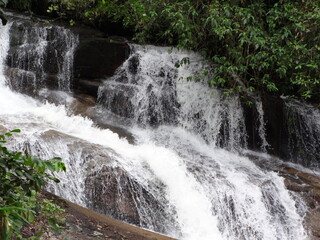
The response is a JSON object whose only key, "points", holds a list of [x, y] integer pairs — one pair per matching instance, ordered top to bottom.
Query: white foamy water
{"points": [[4, 47], [42, 55], [153, 91], [261, 129], [209, 193]]}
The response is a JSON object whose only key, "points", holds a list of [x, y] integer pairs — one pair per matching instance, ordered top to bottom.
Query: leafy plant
{"points": [[73, 9], [261, 45], [268, 45], [21, 177]]}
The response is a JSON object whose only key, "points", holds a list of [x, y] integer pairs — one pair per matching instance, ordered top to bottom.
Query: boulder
{"points": [[307, 186], [109, 192], [114, 192]]}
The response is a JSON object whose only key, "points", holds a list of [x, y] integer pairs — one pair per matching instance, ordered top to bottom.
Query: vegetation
{"points": [[20, 5], [270, 45], [22, 177]]}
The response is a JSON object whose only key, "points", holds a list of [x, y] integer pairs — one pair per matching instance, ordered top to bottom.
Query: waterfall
{"points": [[4, 46], [40, 57], [150, 90], [261, 128], [304, 131], [183, 177]]}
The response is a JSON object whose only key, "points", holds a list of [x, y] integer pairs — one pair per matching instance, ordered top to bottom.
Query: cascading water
{"points": [[4, 46], [40, 56], [149, 89], [200, 114], [261, 129], [304, 133], [177, 179]]}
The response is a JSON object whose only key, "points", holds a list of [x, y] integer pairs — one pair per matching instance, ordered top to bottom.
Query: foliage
{"points": [[21, 5], [72, 9], [270, 45], [21, 177]]}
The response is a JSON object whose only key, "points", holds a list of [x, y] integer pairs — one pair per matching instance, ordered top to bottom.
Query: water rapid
{"points": [[183, 176]]}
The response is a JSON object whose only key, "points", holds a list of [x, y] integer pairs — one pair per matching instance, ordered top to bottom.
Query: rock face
{"points": [[39, 56], [60, 57], [96, 58], [146, 95], [275, 126], [292, 130], [112, 186], [308, 187], [112, 191]]}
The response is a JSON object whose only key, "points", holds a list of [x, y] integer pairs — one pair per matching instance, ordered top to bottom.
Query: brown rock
{"points": [[81, 105], [112, 186], [308, 187]]}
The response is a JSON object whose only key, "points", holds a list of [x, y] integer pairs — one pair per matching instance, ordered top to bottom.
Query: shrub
{"points": [[267, 45], [21, 177]]}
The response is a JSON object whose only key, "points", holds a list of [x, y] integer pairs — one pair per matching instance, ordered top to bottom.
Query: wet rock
{"points": [[3, 18], [17, 30], [35, 47], [45, 52], [98, 57], [133, 64], [22, 80], [87, 86], [56, 97], [146, 98], [118, 99], [81, 105], [84, 105], [291, 129], [122, 132], [276, 134], [91, 155], [301, 178], [307, 186], [112, 191], [313, 219], [82, 223]]}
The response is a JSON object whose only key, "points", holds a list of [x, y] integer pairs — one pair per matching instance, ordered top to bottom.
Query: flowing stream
{"points": [[184, 172]]}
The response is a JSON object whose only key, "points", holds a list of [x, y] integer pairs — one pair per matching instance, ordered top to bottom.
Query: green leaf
{"points": [[16, 130], [17, 156]]}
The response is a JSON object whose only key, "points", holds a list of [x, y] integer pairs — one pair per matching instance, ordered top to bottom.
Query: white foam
{"points": [[214, 194]]}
